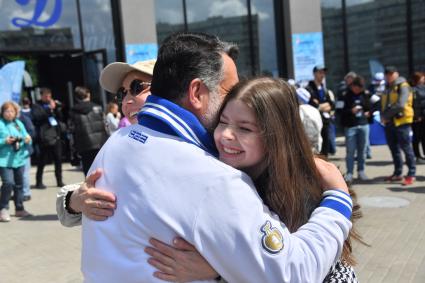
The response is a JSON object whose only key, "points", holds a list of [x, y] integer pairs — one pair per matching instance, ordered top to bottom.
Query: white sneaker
{"points": [[362, 176], [348, 177], [4, 215]]}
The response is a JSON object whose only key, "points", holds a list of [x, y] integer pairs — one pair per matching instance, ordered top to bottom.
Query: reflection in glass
{"points": [[169, 17], [228, 20], [332, 22], [377, 30], [98, 31], [418, 34], [267, 36]]}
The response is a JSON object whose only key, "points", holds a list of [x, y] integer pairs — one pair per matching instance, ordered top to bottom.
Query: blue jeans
{"points": [[332, 136], [400, 138], [356, 140], [12, 179], [26, 181]]}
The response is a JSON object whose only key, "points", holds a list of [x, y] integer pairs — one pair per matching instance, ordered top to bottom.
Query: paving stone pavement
{"points": [[40, 250]]}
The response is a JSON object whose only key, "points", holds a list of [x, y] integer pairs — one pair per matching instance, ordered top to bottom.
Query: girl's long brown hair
{"points": [[290, 185]]}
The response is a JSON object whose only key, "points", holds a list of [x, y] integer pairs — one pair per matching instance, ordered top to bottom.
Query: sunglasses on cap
{"points": [[136, 87]]}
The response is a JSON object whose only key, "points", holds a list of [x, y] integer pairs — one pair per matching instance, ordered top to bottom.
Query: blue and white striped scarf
{"points": [[164, 116]]}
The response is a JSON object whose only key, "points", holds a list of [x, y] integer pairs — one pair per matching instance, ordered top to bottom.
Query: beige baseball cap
{"points": [[112, 75]]}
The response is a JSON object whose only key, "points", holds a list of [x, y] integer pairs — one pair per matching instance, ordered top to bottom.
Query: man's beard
{"points": [[209, 119]]}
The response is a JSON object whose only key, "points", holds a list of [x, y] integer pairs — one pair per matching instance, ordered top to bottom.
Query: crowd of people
{"points": [[398, 104], [191, 111], [86, 130]]}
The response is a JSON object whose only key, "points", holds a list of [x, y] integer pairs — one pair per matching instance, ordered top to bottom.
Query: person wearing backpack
{"points": [[397, 117], [87, 126]]}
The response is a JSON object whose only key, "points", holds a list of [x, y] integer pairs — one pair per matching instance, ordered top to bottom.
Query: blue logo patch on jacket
{"points": [[138, 136]]}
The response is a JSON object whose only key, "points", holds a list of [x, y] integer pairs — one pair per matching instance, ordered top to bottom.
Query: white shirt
{"points": [[111, 123], [313, 125]]}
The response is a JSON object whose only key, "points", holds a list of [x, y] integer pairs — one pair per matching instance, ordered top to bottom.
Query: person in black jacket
{"points": [[321, 100], [47, 118], [26, 119], [355, 120], [87, 125], [418, 125]]}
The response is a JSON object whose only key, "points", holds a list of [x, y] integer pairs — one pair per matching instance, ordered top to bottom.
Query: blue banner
{"points": [[140, 52], [307, 53], [11, 76]]}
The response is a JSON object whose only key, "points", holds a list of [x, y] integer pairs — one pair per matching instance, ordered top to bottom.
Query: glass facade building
{"points": [[250, 24], [365, 35], [67, 42]]}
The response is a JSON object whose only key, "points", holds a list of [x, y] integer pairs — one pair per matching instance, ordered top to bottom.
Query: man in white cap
{"points": [[131, 84], [311, 119]]}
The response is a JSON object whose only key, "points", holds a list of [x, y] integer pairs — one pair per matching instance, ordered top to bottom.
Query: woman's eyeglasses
{"points": [[136, 87]]}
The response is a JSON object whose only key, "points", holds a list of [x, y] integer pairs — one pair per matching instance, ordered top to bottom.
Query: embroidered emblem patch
{"points": [[137, 136], [272, 239]]}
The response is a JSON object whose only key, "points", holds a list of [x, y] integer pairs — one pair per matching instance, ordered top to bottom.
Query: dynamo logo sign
{"points": [[39, 8]]}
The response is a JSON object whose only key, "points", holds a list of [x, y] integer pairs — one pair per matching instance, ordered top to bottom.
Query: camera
{"points": [[399, 114], [16, 143]]}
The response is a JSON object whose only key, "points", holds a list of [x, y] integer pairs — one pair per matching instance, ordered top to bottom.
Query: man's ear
{"points": [[197, 93]]}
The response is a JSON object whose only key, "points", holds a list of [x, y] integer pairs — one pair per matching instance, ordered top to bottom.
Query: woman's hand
{"points": [[355, 109], [27, 139], [10, 140], [331, 176], [94, 203], [179, 263]]}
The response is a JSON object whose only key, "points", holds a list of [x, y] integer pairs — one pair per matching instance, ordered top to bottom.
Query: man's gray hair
{"points": [[183, 57]]}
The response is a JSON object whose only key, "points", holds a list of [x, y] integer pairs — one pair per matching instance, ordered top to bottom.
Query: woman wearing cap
{"points": [[122, 79], [131, 84]]}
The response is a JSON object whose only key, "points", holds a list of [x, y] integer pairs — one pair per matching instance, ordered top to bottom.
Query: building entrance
{"points": [[62, 72]]}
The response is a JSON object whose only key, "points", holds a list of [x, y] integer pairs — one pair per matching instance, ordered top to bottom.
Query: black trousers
{"points": [[419, 137], [325, 138], [50, 150], [87, 158]]}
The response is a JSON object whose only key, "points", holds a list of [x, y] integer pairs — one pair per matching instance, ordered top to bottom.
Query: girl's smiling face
{"points": [[238, 138]]}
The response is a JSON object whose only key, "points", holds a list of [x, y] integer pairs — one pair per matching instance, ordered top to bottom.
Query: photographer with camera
{"points": [[397, 117], [355, 118], [48, 121], [13, 155]]}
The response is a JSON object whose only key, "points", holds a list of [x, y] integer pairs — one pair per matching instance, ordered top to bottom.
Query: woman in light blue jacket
{"points": [[13, 154]]}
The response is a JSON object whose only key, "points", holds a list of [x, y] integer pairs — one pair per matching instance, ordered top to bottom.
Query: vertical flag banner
{"points": [[140, 52], [307, 53], [11, 76]]}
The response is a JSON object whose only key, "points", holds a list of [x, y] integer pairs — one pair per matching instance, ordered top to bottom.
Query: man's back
{"points": [[159, 196]]}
